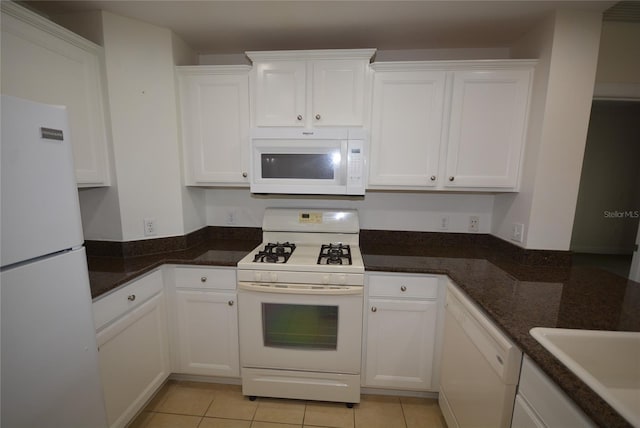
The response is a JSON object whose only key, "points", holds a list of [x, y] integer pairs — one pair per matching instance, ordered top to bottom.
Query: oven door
{"points": [[300, 328]]}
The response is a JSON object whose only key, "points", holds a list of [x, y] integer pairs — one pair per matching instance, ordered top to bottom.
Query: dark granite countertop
{"points": [[108, 273], [516, 295]]}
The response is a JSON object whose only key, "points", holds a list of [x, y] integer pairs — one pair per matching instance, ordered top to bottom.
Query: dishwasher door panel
{"points": [[472, 393]]}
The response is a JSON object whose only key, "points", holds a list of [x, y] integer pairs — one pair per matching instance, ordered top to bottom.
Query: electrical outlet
{"points": [[232, 217], [444, 222], [474, 223], [149, 226], [517, 232]]}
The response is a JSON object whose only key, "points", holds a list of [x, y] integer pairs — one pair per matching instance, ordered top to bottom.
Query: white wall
{"points": [[141, 87], [555, 144], [378, 210]]}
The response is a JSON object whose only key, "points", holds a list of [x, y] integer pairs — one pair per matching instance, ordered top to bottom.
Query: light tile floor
{"points": [[181, 404]]}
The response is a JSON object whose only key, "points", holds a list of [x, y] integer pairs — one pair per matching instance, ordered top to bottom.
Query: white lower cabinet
{"points": [[206, 314], [403, 331], [133, 346], [541, 404]]}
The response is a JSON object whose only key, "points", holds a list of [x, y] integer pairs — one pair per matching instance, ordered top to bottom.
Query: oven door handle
{"points": [[325, 290]]}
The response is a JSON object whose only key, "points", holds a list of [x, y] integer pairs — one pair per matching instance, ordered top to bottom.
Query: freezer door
{"points": [[40, 210], [50, 374]]}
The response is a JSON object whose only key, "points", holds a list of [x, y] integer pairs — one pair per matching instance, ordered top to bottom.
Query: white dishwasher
{"points": [[480, 367]]}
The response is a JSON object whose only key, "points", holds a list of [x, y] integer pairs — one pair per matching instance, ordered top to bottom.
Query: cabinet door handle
{"points": [[299, 117], [318, 117], [244, 174], [433, 178], [452, 178], [203, 279], [403, 288], [131, 297], [230, 302], [374, 309]]}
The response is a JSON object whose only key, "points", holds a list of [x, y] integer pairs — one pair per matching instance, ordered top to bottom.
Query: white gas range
{"points": [[300, 297]]}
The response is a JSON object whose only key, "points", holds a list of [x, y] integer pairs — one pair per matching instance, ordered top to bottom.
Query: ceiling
{"points": [[238, 26]]}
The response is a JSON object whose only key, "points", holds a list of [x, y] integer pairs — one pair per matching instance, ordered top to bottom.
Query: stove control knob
{"points": [[257, 276], [273, 277], [325, 279], [342, 279]]}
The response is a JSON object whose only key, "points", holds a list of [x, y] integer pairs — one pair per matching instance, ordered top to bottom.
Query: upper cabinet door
{"points": [[44, 62], [310, 88], [280, 93], [338, 93], [214, 104], [406, 128], [487, 128]]}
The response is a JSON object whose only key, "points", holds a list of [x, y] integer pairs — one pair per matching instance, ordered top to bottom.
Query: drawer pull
{"points": [[203, 279], [403, 288], [131, 297], [230, 302], [374, 309], [499, 358]]}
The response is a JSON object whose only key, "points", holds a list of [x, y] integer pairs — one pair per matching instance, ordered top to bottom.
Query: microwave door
{"points": [[299, 166], [317, 168]]}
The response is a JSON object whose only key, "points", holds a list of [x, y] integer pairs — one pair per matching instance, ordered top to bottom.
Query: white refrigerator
{"points": [[49, 357]]}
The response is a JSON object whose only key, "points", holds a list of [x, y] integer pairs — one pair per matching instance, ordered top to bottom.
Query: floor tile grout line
{"points": [[404, 418]]}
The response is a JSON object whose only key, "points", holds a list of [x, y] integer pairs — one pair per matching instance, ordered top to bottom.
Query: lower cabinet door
{"points": [[208, 333], [400, 344], [134, 359]]}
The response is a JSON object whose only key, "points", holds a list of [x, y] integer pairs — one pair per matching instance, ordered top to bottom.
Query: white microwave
{"points": [[312, 162]]}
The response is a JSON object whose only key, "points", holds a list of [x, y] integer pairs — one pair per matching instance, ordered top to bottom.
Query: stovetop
{"points": [[305, 257]]}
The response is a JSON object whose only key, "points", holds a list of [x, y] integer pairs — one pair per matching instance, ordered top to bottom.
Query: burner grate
{"points": [[275, 253], [335, 254]]}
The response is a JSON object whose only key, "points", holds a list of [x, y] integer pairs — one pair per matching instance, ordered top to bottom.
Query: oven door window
{"points": [[300, 326]]}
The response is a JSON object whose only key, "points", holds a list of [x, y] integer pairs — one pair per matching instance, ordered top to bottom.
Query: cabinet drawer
{"points": [[211, 278], [420, 287], [131, 295]]}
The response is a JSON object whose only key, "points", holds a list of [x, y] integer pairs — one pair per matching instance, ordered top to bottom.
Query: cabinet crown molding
{"points": [[25, 15], [322, 54], [474, 64], [212, 69]]}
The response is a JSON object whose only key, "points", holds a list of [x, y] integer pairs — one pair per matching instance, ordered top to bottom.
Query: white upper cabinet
{"points": [[44, 62], [310, 88], [338, 92], [280, 93], [214, 105], [449, 125], [406, 127], [487, 128]]}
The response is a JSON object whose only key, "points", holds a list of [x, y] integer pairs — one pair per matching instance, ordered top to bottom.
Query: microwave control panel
{"points": [[355, 167]]}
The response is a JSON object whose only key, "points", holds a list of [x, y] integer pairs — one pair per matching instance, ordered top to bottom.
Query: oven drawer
{"points": [[209, 278], [403, 286]]}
